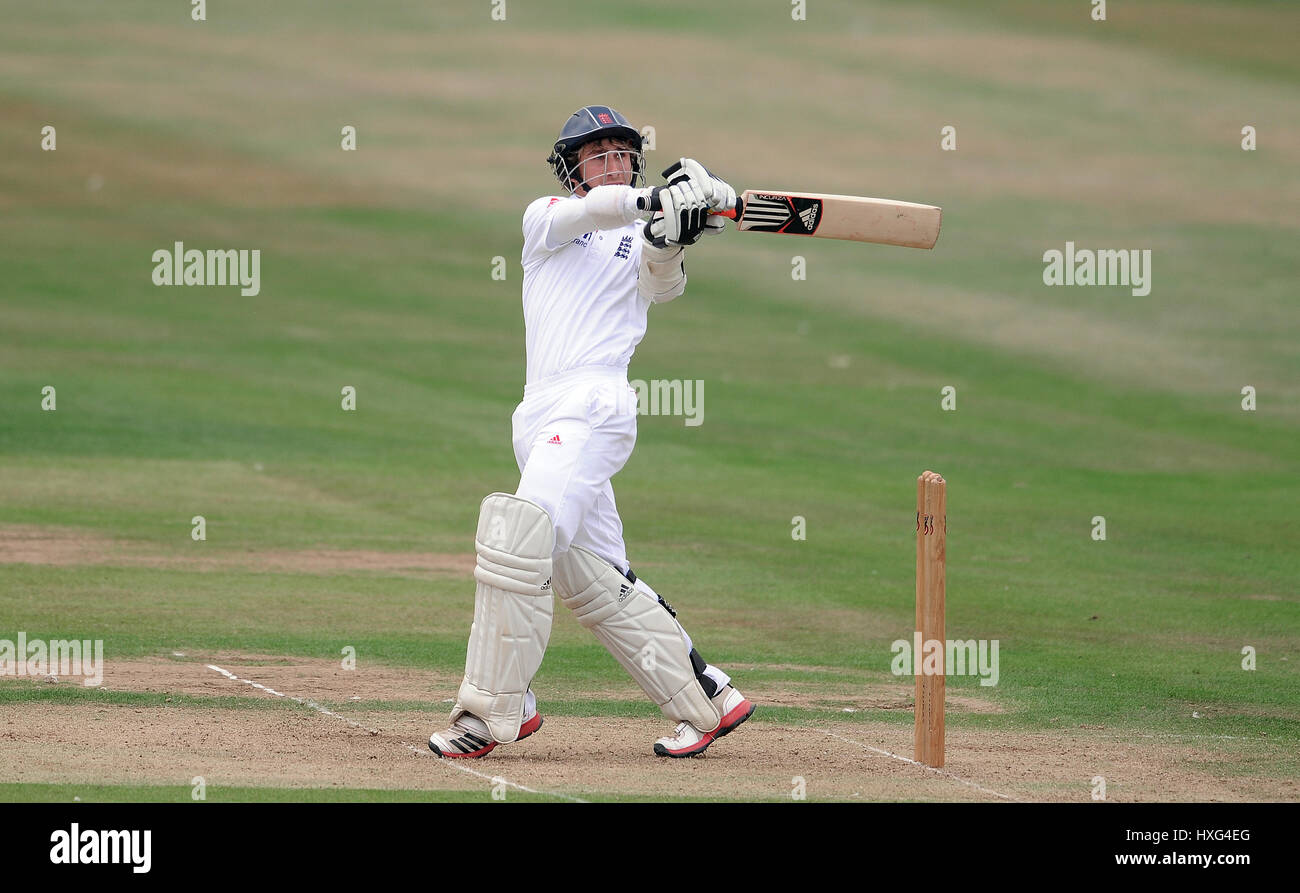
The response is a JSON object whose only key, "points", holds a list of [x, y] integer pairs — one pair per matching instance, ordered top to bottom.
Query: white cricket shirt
{"points": [[581, 306]]}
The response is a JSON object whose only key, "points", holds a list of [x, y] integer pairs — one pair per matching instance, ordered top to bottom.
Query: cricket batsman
{"points": [[592, 269]]}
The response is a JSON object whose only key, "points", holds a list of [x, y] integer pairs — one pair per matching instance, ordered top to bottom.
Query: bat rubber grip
{"points": [[651, 201]]}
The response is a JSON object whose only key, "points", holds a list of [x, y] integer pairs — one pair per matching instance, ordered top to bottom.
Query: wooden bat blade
{"points": [[851, 217]]}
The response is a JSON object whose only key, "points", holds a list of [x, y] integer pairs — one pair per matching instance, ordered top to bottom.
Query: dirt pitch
{"points": [[292, 743]]}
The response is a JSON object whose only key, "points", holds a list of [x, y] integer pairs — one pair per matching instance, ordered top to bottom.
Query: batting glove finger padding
{"points": [[719, 193], [685, 207]]}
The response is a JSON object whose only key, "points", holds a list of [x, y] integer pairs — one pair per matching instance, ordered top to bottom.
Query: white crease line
{"points": [[312, 704], [921, 765], [494, 779]]}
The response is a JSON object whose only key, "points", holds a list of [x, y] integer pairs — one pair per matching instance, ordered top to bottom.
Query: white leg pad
{"points": [[512, 612], [635, 628]]}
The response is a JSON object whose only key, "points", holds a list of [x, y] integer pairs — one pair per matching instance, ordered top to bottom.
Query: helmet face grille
{"points": [[590, 124], [567, 168]]}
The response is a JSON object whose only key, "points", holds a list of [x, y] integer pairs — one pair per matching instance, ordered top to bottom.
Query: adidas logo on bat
{"points": [[809, 217]]}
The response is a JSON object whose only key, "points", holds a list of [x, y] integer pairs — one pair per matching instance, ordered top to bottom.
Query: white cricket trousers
{"points": [[572, 433]]}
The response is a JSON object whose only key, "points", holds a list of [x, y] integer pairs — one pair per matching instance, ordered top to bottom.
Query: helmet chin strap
{"points": [[575, 183]]}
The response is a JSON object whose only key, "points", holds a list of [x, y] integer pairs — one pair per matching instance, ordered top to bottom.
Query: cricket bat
{"points": [[851, 217]]}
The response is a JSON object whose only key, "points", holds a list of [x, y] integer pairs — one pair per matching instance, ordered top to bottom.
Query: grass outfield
{"points": [[822, 397]]}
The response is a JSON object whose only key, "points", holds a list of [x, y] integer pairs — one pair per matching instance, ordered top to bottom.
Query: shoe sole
{"points": [[703, 745], [482, 752]]}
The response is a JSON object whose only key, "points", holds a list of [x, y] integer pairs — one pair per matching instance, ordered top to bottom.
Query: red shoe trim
{"points": [[739, 714], [530, 726], [525, 730], [694, 748], [482, 752]]}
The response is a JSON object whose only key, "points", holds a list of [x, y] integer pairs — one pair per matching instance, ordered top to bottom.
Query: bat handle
{"points": [[651, 203], [736, 212]]}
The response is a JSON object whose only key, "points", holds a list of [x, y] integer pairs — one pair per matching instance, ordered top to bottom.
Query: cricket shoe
{"points": [[469, 737], [688, 741]]}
